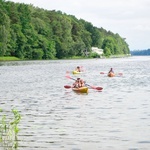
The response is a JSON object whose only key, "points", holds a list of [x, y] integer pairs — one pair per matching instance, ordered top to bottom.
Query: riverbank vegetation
{"points": [[31, 33], [9, 58], [9, 130]]}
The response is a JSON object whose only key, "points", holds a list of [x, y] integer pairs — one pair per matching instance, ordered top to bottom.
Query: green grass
{"points": [[9, 58]]}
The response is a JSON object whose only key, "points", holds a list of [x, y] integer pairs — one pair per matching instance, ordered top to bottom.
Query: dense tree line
{"points": [[29, 32], [141, 52]]}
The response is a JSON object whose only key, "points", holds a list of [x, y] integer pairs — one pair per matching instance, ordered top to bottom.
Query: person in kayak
{"points": [[78, 69], [111, 70], [78, 83], [82, 83]]}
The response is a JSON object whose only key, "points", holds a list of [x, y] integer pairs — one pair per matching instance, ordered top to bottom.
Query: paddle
{"points": [[82, 69], [67, 71], [102, 73], [115, 73], [121, 74], [70, 77], [67, 86], [93, 87]]}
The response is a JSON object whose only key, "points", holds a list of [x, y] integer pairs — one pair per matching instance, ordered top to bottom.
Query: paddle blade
{"points": [[82, 69], [67, 71], [102, 73], [120, 74], [67, 86], [99, 88]]}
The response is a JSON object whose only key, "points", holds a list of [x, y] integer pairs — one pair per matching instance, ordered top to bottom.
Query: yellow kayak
{"points": [[76, 72], [111, 74], [81, 89]]}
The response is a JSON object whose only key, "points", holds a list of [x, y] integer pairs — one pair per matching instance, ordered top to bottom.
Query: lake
{"points": [[55, 118]]}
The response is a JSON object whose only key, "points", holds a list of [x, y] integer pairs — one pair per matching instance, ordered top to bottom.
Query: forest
{"points": [[32, 33]]}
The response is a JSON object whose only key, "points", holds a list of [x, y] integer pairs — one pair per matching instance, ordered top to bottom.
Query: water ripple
{"points": [[57, 118]]}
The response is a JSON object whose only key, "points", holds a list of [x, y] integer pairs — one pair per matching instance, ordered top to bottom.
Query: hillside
{"points": [[29, 32]]}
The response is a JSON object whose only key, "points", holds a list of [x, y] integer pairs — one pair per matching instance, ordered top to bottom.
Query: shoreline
{"points": [[9, 58]]}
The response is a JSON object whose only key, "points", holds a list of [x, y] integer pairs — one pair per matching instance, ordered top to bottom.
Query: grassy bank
{"points": [[120, 56], [74, 57], [9, 59]]}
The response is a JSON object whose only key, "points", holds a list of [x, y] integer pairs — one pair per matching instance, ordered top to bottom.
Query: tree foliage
{"points": [[28, 32]]}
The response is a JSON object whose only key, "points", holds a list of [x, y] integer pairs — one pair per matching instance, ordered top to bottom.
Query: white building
{"points": [[97, 50]]}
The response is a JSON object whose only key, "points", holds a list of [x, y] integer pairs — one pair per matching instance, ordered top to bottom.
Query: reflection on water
{"points": [[57, 118]]}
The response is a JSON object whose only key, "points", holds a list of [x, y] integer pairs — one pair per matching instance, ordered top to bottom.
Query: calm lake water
{"points": [[55, 118]]}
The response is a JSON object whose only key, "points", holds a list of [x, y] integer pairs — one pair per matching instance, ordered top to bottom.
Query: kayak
{"points": [[76, 72], [111, 74], [81, 89]]}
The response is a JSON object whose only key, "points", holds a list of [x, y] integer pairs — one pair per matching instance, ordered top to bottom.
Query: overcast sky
{"points": [[129, 18]]}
